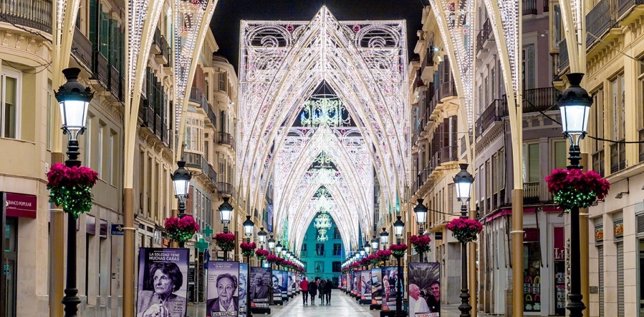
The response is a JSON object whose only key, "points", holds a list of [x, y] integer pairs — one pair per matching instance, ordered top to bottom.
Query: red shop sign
{"points": [[21, 205]]}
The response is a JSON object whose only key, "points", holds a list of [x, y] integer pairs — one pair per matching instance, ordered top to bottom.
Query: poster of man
{"points": [[260, 280], [162, 282], [291, 283], [284, 285], [277, 286], [376, 286], [389, 287], [243, 288], [223, 289], [424, 289]]}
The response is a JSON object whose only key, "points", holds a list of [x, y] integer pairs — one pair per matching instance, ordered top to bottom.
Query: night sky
{"points": [[228, 13]]}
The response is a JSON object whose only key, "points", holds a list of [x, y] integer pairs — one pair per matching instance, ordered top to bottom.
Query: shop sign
{"points": [[21, 205], [618, 228], [116, 229], [599, 233], [560, 251]]}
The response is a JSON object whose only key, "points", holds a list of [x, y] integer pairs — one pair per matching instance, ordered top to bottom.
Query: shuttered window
{"points": [[640, 223], [600, 254], [620, 278]]}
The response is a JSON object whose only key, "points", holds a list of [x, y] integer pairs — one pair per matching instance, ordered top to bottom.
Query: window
{"points": [[528, 75], [222, 81], [10, 107], [640, 110], [617, 112], [50, 116], [597, 129], [87, 136], [560, 152], [99, 157], [112, 158], [531, 163], [336, 234], [319, 249], [337, 249], [337, 266]]}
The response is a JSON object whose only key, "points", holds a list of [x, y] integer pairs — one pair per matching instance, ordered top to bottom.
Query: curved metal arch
{"points": [[250, 138]]}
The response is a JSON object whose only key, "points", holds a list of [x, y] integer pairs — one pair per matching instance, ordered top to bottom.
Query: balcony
{"points": [[625, 6], [529, 7], [34, 14], [598, 21], [484, 34], [82, 48], [160, 49], [563, 55], [447, 88], [197, 96], [540, 99], [493, 112], [211, 115], [225, 138], [641, 145], [444, 155], [197, 161], [226, 188], [531, 191]]}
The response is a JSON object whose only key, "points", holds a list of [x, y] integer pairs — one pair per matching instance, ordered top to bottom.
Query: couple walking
{"points": [[319, 285]]}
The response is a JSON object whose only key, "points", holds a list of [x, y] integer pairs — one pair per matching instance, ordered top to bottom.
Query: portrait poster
{"points": [[260, 281], [343, 281], [162, 282], [348, 282], [291, 283], [356, 283], [277, 285], [365, 285], [284, 286], [376, 286], [243, 287], [222, 289], [389, 289], [424, 289]]}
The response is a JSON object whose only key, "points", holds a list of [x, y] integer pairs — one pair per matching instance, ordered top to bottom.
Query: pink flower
{"points": [[225, 237]]}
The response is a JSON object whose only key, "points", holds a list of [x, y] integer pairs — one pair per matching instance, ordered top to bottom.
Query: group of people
{"points": [[314, 287], [422, 302]]}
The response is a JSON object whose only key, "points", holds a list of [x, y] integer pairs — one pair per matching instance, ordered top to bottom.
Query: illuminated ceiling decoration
{"points": [[504, 18], [572, 18], [191, 20], [455, 20], [63, 34], [281, 66]]}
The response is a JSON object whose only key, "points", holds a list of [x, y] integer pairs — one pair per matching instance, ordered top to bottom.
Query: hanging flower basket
{"points": [[71, 187], [576, 188], [181, 229], [465, 229], [225, 241], [420, 243], [247, 248], [398, 250], [261, 254], [383, 255], [272, 258], [373, 259]]}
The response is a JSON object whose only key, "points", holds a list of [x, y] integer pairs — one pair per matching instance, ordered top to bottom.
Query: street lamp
{"points": [[73, 100], [574, 104], [181, 181], [463, 183], [225, 213], [421, 217], [399, 226], [248, 232], [261, 236], [384, 238], [271, 243], [374, 244], [278, 248]]}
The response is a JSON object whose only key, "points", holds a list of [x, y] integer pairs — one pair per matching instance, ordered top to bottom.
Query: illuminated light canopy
{"points": [[285, 123]]}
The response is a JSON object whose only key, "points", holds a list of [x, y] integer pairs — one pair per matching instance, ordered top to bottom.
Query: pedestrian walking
{"points": [[304, 286], [328, 287], [313, 290], [322, 290]]}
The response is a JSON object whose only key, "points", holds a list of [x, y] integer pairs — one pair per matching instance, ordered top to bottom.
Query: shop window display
{"points": [[532, 276]]}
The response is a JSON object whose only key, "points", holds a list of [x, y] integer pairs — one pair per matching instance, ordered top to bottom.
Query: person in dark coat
{"points": [[322, 289], [313, 290], [327, 291]]}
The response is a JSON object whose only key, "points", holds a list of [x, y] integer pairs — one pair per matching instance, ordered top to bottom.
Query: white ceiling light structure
{"points": [[281, 66]]}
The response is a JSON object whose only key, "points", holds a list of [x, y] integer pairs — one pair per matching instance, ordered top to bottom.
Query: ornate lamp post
{"points": [[73, 100], [575, 104], [181, 181], [463, 183], [225, 215], [421, 218], [249, 227], [399, 227], [261, 236], [384, 238], [271, 243], [374, 244]]}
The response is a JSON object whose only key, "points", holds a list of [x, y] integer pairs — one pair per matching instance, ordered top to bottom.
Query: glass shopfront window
{"points": [[9, 267], [532, 271]]}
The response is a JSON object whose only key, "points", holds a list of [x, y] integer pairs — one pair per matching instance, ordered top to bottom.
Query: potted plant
{"points": [[71, 187], [576, 188], [181, 229], [465, 229], [225, 241], [420, 242], [247, 248], [398, 250]]}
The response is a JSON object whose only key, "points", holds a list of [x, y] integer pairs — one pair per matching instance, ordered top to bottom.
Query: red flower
{"points": [[576, 188], [181, 229], [465, 229], [225, 237], [248, 246], [261, 253]]}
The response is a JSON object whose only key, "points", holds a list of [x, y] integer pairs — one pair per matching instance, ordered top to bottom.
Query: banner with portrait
{"points": [[260, 281], [162, 282], [291, 283], [356, 283], [277, 285], [284, 285], [365, 285], [376, 286], [243, 288], [223, 289], [389, 289], [424, 289]]}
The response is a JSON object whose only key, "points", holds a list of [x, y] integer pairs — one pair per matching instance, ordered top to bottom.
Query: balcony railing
{"points": [[624, 6], [529, 7], [30, 13], [598, 21], [484, 34], [82, 48], [448, 88], [540, 99], [492, 112], [211, 115], [225, 138], [641, 145], [444, 155], [196, 160], [212, 174], [225, 188], [531, 192]]}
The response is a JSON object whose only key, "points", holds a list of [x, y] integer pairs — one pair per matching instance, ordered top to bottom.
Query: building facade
{"points": [[323, 254]]}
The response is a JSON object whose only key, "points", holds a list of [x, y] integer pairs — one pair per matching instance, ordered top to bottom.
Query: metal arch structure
{"points": [[281, 63]]}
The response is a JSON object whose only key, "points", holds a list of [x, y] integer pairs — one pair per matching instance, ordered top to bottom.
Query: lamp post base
{"points": [[465, 306]]}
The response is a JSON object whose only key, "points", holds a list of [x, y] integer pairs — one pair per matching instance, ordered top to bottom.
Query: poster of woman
{"points": [[260, 281], [162, 282], [389, 282], [376, 286], [365, 287], [243, 288], [223, 289], [424, 289]]}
